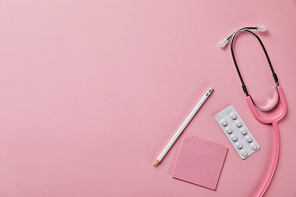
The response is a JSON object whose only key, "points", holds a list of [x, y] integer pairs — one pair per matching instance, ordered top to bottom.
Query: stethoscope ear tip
{"points": [[261, 28], [223, 43]]}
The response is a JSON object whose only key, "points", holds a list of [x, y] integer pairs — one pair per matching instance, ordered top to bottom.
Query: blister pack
{"points": [[237, 132]]}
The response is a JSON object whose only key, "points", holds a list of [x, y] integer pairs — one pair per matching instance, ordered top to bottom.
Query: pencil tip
{"points": [[155, 164]]}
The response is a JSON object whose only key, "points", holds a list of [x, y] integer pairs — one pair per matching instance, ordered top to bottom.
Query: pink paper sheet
{"points": [[200, 162]]}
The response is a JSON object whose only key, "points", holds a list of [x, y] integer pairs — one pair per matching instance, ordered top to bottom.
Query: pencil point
{"points": [[155, 164]]}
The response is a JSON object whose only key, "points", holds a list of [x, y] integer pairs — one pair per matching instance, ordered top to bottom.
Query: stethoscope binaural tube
{"points": [[244, 87], [252, 105]]}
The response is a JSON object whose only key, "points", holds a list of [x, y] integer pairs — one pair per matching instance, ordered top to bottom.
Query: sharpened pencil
{"points": [[185, 123]]}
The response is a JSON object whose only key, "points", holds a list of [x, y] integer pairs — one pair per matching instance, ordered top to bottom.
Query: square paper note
{"points": [[200, 162]]}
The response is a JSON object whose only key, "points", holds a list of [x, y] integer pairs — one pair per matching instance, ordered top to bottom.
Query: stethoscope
{"points": [[253, 106]]}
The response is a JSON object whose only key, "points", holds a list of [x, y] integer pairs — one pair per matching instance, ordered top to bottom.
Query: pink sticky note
{"points": [[200, 162]]}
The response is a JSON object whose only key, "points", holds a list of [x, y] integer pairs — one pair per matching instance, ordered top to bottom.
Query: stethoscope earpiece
{"points": [[261, 28]]}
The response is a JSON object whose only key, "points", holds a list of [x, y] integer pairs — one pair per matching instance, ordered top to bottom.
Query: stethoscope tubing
{"points": [[276, 140]]}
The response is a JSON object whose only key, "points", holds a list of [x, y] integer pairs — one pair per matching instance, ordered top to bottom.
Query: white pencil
{"points": [[185, 123]]}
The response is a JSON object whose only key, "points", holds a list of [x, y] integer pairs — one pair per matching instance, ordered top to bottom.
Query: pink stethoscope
{"points": [[252, 105]]}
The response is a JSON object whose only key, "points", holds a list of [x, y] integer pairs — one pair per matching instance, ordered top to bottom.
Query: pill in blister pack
{"points": [[237, 132]]}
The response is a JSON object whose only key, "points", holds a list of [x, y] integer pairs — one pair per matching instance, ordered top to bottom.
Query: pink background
{"points": [[91, 92]]}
